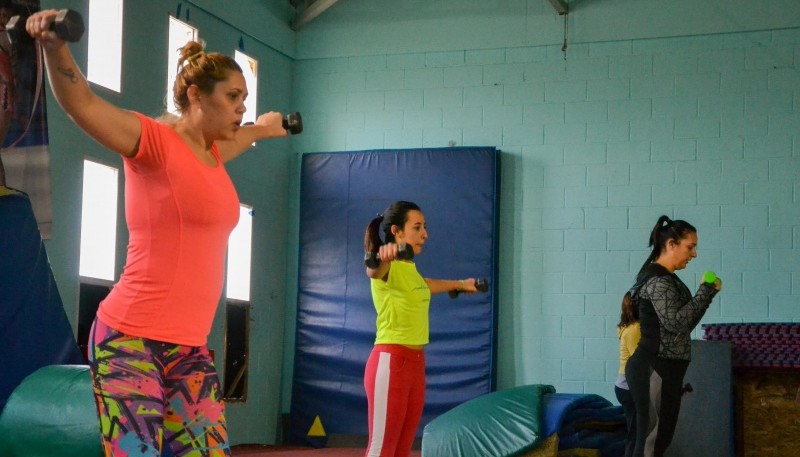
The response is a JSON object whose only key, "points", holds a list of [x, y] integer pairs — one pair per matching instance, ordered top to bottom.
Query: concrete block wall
{"points": [[597, 143]]}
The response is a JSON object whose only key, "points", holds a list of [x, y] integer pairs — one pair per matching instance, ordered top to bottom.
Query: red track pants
{"points": [[394, 379]]}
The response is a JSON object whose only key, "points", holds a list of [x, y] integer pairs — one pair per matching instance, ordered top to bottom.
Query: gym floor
{"points": [[256, 450]]}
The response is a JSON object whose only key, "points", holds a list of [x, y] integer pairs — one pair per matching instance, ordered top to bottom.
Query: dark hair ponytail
{"points": [[395, 214], [665, 230], [372, 239], [629, 314]]}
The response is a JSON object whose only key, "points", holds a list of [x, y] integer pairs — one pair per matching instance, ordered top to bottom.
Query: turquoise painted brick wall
{"points": [[695, 116], [595, 147]]}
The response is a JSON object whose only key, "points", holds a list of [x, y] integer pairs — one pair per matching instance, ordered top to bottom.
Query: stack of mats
{"points": [[764, 345], [528, 421], [587, 425]]}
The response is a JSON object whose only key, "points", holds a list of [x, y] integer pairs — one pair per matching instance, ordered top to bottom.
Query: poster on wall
{"points": [[24, 156]]}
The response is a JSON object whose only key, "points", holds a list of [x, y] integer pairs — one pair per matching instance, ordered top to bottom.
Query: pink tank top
{"points": [[180, 213]]}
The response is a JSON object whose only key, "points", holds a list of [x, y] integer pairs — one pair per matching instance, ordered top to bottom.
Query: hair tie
{"points": [[195, 56], [380, 215]]}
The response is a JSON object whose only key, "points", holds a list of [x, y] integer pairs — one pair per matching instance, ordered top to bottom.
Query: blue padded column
{"points": [[34, 330]]}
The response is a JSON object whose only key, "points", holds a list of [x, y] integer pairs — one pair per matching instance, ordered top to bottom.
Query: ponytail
{"points": [[372, 238], [653, 242], [629, 314]]}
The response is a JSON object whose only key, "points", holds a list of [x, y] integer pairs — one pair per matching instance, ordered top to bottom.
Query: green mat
{"points": [[51, 413], [505, 423]]}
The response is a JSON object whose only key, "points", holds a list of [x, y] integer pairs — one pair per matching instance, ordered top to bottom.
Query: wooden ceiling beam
{"points": [[561, 6], [313, 10]]}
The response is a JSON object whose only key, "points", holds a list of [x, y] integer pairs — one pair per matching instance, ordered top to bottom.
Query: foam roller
{"points": [[51, 413]]}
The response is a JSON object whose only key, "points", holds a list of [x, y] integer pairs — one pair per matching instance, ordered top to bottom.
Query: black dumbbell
{"points": [[68, 25], [293, 122], [404, 252], [481, 284]]}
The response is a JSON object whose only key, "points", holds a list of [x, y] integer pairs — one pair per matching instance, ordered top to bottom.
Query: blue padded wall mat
{"points": [[457, 190]]}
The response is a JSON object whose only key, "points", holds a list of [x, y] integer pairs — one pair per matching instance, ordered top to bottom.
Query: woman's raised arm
{"points": [[113, 127]]}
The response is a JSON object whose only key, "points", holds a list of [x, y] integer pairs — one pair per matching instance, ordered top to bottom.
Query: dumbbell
{"points": [[68, 25], [293, 122], [404, 252], [709, 277], [481, 284]]}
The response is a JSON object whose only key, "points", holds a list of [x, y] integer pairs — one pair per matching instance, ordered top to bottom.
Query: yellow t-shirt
{"points": [[7, 191], [402, 303], [628, 341]]}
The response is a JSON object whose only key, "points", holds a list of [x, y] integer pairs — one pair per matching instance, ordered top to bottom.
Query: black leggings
{"points": [[656, 386], [625, 399]]}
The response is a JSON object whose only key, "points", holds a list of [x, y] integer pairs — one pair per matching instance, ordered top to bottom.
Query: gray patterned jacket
{"points": [[668, 312]]}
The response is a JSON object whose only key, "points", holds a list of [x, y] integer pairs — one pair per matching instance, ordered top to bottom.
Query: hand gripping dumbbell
{"points": [[68, 25], [293, 122], [404, 252], [481, 284]]}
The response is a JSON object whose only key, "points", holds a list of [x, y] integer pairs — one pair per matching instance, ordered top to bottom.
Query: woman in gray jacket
{"points": [[667, 314]]}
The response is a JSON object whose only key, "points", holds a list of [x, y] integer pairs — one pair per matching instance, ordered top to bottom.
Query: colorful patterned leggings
{"points": [[150, 394]]}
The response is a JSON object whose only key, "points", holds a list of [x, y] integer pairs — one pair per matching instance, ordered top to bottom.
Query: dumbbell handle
{"points": [[372, 259], [481, 284]]}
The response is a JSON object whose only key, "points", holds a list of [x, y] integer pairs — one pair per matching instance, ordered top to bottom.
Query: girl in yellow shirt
{"points": [[629, 334]]}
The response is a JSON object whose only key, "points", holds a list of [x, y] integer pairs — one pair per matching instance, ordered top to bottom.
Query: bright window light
{"points": [[180, 33], [105, 43], [250, 70], [98, 221], [239, 256]]}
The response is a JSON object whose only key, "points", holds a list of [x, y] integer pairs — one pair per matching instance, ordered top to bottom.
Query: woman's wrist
{"points": [[460, 285]]}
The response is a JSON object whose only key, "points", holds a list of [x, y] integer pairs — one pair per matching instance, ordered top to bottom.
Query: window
{"points": [[179, 34], [105, 43], [250, 70], [98, 221], [98, 243], [239, 255], [89, 297], [237, 307], [237, 336]]}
